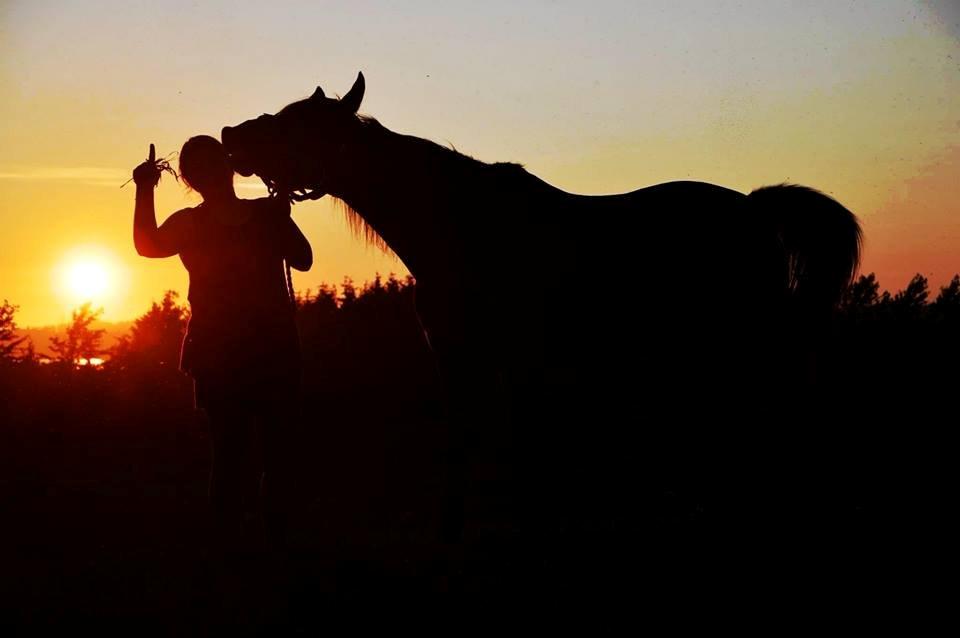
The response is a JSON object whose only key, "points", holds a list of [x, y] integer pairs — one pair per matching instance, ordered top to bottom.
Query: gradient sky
{"points": [[859, 99]]}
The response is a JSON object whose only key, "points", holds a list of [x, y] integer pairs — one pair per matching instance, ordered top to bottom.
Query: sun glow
{"points": [[88, 275], [88, 279]]}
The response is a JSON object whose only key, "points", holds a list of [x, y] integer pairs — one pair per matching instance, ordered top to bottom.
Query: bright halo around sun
{"points": [[88, 275], [88, 279]]}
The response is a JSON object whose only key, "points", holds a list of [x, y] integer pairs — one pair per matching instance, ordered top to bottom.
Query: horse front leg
{"points": [[473, 442], [456, 468]]}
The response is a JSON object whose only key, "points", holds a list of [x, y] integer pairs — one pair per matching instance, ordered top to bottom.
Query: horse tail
{"points": [[821, 245]]}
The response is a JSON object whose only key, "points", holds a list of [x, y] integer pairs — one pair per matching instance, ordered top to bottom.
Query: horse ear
{"points": [[318, 94], [354, 96]]}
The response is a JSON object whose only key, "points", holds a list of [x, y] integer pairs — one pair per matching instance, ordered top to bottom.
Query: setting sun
{"points": [[88, 274], [87, 279]]}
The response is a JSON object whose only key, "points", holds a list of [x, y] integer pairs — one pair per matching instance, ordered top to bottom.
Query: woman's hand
{"points": [[147, 174]]}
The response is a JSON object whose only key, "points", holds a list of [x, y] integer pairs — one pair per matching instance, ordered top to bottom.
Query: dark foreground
{"points": [[103, 488]]}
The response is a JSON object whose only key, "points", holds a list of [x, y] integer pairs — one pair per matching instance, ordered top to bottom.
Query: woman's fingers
{"points": [[153, 154]]}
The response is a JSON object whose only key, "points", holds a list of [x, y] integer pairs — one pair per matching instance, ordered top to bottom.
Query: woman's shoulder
{"points": [[271, 204], [182, 217]]}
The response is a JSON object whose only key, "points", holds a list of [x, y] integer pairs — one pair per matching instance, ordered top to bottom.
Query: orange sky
{"points": [[857, 99]]}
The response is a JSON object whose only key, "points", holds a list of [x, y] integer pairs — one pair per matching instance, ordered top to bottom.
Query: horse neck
{"points": [[399, 186]]}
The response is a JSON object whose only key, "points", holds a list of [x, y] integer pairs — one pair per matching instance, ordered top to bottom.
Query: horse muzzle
{"points": [[239, 160]]}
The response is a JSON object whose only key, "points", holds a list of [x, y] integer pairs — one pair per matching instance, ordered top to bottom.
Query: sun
{"points": [[87, 276], [88, 279]]}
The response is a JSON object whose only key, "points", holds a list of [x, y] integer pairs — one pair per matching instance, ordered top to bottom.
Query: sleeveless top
{"points": [[242, 319]]}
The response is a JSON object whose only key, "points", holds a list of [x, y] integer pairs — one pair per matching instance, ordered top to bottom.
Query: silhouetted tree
{"points": [[393, 285], [374, 289], [865, 292], [349, 294], [326, 297], [948, 301], [910, 302], [156, 336], [9, 341], [80, 341], [28, 353]]}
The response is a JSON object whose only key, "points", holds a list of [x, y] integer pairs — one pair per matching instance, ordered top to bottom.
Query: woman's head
{"points": [[204, 165]]}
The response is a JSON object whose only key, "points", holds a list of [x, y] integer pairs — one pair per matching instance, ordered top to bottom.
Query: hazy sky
{"points": [[859, 99]]}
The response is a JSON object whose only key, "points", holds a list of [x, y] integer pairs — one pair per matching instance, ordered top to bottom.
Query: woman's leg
{"points": [[278, 425], [232, 478]]}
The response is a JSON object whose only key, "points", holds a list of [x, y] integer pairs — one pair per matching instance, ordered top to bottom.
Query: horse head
{"points": [[294, 150]]}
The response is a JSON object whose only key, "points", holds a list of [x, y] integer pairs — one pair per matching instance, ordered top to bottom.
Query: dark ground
{"points": [[103, 487]]}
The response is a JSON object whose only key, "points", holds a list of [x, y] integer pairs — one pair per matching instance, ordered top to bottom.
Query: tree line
{"points": [[380, 314], [155, 337]]}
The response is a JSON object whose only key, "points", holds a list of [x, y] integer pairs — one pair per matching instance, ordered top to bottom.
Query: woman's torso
{"points": [[241, 312]]}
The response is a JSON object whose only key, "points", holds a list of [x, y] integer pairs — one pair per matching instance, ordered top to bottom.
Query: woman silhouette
{"points": [[241, 345]]}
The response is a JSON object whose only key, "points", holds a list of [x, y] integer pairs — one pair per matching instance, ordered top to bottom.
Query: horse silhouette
{"points": [[591, 339]]}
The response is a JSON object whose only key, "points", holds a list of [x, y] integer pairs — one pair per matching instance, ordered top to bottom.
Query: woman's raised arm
{"points": [[148, 239]]}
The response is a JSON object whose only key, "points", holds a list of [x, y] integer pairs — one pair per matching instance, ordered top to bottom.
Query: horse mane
{"points": [[446, 164], [359, 227]]}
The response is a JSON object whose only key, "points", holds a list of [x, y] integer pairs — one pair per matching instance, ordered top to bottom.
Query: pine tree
{"points": [[393, 285], [865, 292], [349, 294], [326, 297], [949, 297], [911, 301], [155, 337], [9, 341], [80, 342]]}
